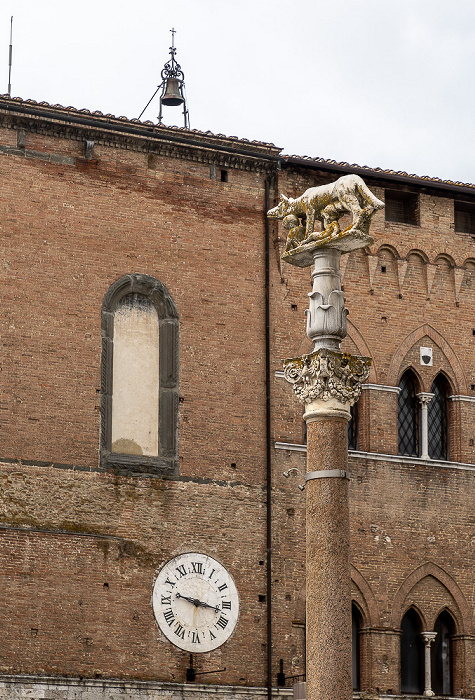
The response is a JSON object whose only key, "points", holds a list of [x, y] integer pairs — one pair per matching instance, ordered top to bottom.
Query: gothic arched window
{"points": [[139, 399], [408, 414], [437, 419], [412, 655], [441, 671]]}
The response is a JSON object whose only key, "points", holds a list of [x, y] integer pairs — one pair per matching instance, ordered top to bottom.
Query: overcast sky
{"points": [[372, 82]]}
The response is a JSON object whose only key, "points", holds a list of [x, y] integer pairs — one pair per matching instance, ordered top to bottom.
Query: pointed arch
{"points": [[438, 339], [363, 349], [367, 601], [463, 614]]}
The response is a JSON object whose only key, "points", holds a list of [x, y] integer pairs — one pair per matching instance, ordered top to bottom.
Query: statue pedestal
{"points": [[344, 241]]}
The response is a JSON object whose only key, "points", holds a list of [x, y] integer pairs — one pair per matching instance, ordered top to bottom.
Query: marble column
{"points": [[327, 382], [424, 399], [428, 638]]}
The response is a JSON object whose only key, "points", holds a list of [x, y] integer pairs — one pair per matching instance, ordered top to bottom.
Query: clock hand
{"points": [[198, 603]]}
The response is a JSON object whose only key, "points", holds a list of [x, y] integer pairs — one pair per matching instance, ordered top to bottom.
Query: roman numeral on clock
{"points": [[197, 567], [181, 570], [221, 588], [166, 600], [226, 605], [169, 617], [222, 622], [179, 631], [195, 638]]}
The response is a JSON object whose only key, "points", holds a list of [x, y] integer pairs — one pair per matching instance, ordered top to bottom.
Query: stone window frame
{"points": [[166, 462]]}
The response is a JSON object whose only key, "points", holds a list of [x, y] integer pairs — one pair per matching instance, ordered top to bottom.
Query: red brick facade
{"points": [[80, 544]]}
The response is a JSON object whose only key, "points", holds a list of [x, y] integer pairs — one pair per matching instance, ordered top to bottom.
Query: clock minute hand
{"points": [[198, 603]]}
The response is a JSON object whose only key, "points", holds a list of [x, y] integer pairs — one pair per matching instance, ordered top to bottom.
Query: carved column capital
{"points": [[327, 382], [424, 397], [428, 637]]}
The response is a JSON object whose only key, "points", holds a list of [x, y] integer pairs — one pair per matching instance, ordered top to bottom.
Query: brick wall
{"points": [[80, 547]]}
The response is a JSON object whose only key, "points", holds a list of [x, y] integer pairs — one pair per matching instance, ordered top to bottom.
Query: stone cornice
{"points": [[107, 130], [381, 387], [465, 399], [380, 457], [123, 688]]}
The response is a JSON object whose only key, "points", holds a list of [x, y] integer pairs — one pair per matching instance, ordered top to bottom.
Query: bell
{"points": [[172, 96]]}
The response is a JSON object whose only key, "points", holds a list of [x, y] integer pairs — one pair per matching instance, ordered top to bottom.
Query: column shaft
{"points": [[328, 567]]}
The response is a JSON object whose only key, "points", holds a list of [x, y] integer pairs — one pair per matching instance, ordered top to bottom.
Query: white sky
{"points": [[375, 82]]}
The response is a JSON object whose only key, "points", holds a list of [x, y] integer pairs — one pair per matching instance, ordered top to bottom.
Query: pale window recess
{"points": [[135, 377]]}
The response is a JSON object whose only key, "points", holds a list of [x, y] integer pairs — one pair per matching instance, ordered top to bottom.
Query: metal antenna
{"points": [[9, 93]]}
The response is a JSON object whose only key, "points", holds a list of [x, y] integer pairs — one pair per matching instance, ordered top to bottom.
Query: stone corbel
{"points": [[373, 261], [343, 265], [401, 273], [430, 274], [458, 279]]}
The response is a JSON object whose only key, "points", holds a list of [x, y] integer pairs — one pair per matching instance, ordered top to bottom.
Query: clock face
{"points": [[195, 602]]}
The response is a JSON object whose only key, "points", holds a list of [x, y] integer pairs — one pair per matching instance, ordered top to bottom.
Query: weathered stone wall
{"points": [[78, 689]]}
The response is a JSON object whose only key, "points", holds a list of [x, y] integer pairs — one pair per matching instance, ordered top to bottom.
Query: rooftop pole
{"points": [[10, 52]]}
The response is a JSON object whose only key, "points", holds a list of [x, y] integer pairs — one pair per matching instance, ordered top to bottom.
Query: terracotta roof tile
{"points": [[309, 159]]}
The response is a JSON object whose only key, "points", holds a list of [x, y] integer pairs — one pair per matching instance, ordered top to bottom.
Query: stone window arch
{"points": [[139, 377], [408, 414], [412, 654]]}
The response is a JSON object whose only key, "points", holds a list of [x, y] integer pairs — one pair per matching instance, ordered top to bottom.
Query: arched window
{"points": [[139, 382], [437, 419], [408, 422], [356, 624], [412, 655], [442, 655]]}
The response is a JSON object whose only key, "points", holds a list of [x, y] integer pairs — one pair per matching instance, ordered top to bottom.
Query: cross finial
{"points": [[173, 31]]}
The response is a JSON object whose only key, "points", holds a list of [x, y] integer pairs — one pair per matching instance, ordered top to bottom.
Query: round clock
{"points": [[195, 602]]}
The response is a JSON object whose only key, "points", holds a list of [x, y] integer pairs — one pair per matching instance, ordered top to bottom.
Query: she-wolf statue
{"points": [[327, 203]]}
